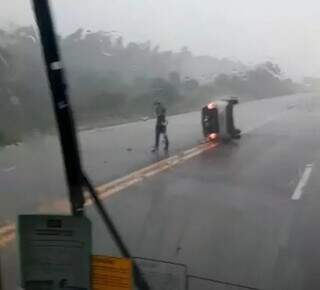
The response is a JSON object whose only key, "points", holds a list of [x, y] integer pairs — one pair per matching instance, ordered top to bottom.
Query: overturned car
{"points": [[218, 122]]}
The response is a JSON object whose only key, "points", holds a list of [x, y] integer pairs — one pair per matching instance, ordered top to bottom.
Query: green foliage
{"points": [[106, 77], [263, 81]]}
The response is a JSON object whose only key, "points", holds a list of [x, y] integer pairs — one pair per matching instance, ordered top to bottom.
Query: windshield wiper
{"points": [[76, 179]]}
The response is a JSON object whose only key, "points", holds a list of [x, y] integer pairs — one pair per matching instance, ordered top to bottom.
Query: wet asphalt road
{"points": [[32, 176], [227, 214]]}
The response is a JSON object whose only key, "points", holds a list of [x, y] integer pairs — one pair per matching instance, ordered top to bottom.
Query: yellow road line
{"points": [[122, 183], [7, 228], [7, 233]]}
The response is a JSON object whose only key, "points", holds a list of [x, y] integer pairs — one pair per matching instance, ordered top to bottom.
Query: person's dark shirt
{"points": [[161, 116]]}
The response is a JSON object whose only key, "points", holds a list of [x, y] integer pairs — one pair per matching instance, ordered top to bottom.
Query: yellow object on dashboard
{"points": [[110, 273]]}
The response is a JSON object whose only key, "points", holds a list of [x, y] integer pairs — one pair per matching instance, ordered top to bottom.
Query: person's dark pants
{"points": [[161, 130]]}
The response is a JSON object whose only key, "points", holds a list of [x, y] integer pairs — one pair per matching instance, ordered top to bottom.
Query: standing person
{"points": [[161, 126]]}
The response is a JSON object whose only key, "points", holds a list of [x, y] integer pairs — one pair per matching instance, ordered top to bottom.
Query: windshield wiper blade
{"points": [[61, 104], [76, 179], [241, 286]]}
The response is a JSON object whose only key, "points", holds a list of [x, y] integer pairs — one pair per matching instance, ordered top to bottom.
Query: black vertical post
{"points": [[63, 112], [75, 177]]}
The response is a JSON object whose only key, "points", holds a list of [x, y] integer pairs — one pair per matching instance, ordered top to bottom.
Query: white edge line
{"points": [[302, 182]]}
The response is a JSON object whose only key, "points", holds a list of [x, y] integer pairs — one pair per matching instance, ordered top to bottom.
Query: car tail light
{"points": [[211, 105], [212, 136]]}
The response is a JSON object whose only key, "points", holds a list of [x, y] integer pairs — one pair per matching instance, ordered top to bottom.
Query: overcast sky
{"points": [[252, 31]]}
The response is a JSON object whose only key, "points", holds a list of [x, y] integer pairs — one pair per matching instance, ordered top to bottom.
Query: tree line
{"points": [[111, 80]]}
